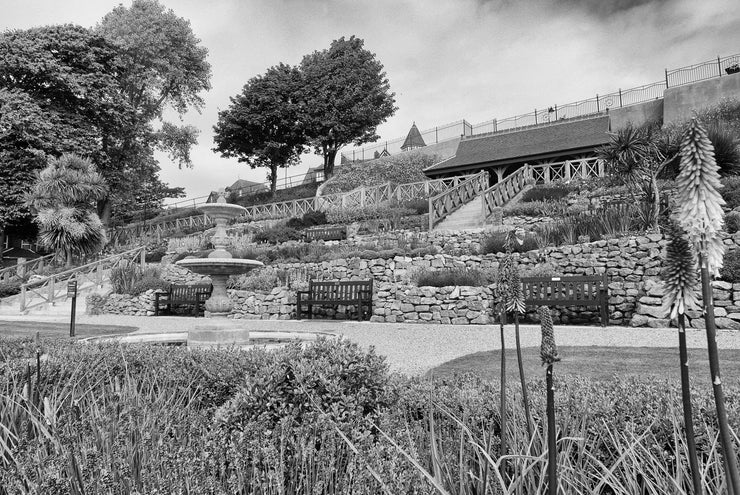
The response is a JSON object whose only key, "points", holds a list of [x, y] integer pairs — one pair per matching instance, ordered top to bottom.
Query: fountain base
{"points": [[218, 333]]}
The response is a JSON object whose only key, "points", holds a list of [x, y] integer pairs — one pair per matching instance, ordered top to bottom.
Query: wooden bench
{"points": [[325, 233], [568, 291], [335, 293], [179, 294]]}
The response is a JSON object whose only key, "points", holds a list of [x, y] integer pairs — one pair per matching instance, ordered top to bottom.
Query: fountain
{"points": [[219, 265]]}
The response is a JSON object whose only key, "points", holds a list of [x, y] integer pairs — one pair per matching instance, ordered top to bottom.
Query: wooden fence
{"points": [[569, 169], [501, 193], [449, 201], [25, 268], [54, 287]]}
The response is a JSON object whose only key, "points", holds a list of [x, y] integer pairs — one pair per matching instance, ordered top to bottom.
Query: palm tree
{"points": [[64, 196]]}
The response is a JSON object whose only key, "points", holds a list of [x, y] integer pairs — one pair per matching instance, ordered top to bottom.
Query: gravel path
{"points": [[416, 348]]}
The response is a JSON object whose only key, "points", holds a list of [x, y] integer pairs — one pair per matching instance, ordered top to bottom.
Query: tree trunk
{"points": [[329, 157], [273, 180], [656, 201], [104, 208]]}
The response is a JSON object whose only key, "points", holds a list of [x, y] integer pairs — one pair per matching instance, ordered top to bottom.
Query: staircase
{"points": [[468, 217]]}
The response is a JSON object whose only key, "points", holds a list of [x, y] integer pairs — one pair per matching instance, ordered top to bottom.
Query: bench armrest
{"points": [[300, 293]]}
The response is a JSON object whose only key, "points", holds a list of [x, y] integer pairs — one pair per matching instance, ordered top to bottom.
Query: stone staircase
{"points": [[468, 217]]}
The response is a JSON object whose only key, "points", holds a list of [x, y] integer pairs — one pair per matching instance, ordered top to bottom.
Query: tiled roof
{"points": [[413, 139], [527, 144]]}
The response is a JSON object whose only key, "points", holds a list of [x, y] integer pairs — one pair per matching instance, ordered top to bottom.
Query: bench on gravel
{"points": [[325, 234], [568, 291], [357, 293], [180, 294]]}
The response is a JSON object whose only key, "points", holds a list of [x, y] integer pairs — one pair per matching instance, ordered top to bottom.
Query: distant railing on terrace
{"points": [[546, 115]]}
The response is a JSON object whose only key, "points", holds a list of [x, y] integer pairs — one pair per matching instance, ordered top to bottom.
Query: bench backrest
{"points": [[326, 233], [335, 290], [576, 290], [188, 293]]}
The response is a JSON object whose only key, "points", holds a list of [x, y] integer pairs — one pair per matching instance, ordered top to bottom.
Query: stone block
{"points": [[460, 321], [639, 321], [659, 323], [727, 323]]}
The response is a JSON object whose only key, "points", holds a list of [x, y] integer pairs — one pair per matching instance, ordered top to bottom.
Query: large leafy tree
{"points": [[165, 68], [58, 94], [346, 96], [262, 126], [63, 196]]}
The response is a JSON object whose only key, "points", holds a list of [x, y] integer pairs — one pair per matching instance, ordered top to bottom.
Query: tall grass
{"points": [[144, 420]]}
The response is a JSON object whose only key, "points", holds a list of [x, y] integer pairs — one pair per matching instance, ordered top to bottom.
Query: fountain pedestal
{"points": [[219, 266]]}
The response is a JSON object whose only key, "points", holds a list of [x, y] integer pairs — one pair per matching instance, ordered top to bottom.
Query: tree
{"points": [[164, 68], [57, 95], [346, 95], [262, 126], [638, 156], [64, 196]]}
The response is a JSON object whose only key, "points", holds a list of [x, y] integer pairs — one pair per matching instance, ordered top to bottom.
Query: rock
{"points": [[639, 321], [659, 323]]}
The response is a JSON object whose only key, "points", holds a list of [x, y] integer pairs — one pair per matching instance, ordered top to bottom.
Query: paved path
{"points": [[416, 348]]}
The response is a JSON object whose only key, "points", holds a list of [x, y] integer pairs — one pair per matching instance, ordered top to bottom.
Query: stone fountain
{"points": [[219, 265]]}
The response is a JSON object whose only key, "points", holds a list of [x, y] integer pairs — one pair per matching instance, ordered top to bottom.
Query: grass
{"points": [[52, 329], [599, 363]]}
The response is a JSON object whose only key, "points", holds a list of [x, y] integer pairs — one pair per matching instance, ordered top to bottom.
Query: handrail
{"points": [[501, 193], [444, 203], [25, 268], [51, 288]]}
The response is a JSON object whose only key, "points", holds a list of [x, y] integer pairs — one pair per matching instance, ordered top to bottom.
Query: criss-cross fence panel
{"points": [[543, 173], [499, 194], [441, 205], [25, 268], [52, 288]]}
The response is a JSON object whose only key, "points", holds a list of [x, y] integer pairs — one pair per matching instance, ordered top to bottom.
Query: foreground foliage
{"points": [[330, 417]]}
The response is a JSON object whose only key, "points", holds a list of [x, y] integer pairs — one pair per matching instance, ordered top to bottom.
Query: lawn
{"points": [[52, 329], [598, 363]]}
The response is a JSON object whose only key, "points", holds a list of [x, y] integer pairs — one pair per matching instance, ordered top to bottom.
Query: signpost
{"points": [[72, 292]]}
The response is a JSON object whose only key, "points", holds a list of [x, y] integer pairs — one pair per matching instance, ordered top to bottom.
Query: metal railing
{"points": [[721, 66], [546, 115], [501, 193], [447, 202], [25, 268], [52, 288]]}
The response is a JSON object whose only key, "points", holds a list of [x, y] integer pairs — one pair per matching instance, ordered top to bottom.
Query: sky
{"points": [[445, 60]]}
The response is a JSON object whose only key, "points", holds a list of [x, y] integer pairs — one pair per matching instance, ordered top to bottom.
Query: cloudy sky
{"points": [[446, 60]]}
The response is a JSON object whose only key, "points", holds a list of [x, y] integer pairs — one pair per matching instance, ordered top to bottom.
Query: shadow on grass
{"points": [[53, 329], [599, 364]]}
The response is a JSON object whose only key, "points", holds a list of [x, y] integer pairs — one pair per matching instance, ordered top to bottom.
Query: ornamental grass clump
{"points": [[700, 214], [679, 278], [549, 355]]}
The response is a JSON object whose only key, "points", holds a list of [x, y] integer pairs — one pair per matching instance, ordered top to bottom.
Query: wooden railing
{"points": [[567, 170], [499, 194], [441, 205], [283, 209], [123, 235], [25, 268], [52, 288]]}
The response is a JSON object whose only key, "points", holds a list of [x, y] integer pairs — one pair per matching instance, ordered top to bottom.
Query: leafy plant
{"points": [[547, 192], [309, 219], [276, 235], [495, 242], [730, 271], [124, 277], [450, 277], [256, 280], [149, 283], [10, 288], [94, 303]]}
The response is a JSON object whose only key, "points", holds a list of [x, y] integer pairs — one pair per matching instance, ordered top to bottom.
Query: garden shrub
{"points": [[397, 169], [730, 191], [552, 192], [535, 209], [349, 215], [309, 219], [732, 222], [276, 235], [495, 242], [156, 255], [541, 270], [730, 271], [124, 276], [451, 277], [256, 280], [146, 283], [10, 288], [94, 303], [335, 377]]}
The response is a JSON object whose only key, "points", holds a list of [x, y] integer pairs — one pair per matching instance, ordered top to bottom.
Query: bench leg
{"points": [[310, 311], [604, 313]]}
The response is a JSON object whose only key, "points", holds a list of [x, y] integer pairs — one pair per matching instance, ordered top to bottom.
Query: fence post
{"points": [[719, 66], [666, 79], [620, 97], [597, 103], [556, 111], [535, 116], [436, 135], [362, 197], [431, 213], [142, 257], [99, 274], [51, 289], [23, 297]]}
